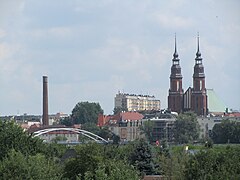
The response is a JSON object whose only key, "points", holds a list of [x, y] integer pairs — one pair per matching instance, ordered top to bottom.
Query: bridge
{"points": [[85, 133]]}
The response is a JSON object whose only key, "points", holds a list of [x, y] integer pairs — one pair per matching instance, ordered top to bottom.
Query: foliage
{"points": [[117, 110], [85, 112], [67, 121], [92, 127], [186, 128], [147, 129], [103, 132], [226, 132], [12, 136], [59, 138], [116, 139], [208, 143], [141, 157], [88, 158], [97, 161], [214, 163], [17, 166], [173, 166], [111, 170]]}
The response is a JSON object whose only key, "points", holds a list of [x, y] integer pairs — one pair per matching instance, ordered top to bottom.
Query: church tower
{"points": [[199, 94], [175, 97]]}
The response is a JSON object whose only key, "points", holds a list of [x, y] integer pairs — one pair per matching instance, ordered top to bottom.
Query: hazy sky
{"points": [[91, 49]]}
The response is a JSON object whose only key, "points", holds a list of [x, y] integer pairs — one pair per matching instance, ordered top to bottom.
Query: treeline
{"points": [[226, 132], [25, 157]]}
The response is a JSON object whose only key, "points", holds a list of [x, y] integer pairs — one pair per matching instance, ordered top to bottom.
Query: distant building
{"points": [[175, 97], [195, 98], [133, 102], [207, 123], [124, 124], [163, 125]]}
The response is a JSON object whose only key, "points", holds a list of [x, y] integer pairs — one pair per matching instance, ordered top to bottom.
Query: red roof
{"points": [[234, 114], [131, 116]]}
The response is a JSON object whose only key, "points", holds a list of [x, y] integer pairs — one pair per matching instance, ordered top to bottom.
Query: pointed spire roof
{"points": [[198, 54], [175, 55], [198, 58]]}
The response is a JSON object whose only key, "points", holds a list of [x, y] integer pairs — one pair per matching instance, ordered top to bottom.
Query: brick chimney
{"points": [[45, 120]]}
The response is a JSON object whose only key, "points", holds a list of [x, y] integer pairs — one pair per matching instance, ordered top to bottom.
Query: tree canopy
{"points": [[117, 110], [86, 112], [186, 128], [147, 129], [226, 132], [12, 136], [141, 157], [223, 163], [18, 166]]}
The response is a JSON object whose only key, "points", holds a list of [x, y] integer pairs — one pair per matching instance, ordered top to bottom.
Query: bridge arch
{"points": [[88, 134]]}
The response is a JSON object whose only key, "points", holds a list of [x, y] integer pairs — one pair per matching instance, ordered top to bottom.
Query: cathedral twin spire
{"points": [[198, 58], [195, 98]]}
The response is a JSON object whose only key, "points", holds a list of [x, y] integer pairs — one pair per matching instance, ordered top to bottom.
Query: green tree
{"points": [[117, 110], [85, 112], [67, 121], [91, 127], [186, 128], [147, 129], [103, 132], [226, 132], [12, 136], [59, 138], [141, 157], [88, 158], [222, 163], [17, 166], [172, 166], [112, 169]]}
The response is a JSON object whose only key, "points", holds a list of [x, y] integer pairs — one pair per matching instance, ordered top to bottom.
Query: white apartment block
{"points": [[133, 102]]}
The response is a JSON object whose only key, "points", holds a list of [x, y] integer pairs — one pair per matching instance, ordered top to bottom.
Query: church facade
{"points": [[195, 98]]}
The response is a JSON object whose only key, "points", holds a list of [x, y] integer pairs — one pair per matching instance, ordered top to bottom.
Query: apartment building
{"points": [[133, 102]]}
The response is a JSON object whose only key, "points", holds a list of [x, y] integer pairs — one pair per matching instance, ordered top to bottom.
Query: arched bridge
{"points": [[88, 134]]}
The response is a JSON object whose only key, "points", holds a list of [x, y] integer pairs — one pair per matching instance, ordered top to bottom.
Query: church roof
{"points": [[215, 104]]}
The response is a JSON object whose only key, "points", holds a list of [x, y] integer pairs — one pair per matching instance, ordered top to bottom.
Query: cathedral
{"points": [[195, 98]]}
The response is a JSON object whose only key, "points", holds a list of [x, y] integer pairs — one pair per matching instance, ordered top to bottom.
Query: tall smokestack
{"points": [[45, 120]]}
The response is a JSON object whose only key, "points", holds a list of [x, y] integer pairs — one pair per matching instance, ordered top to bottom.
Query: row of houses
{"points": [[129, 126]]}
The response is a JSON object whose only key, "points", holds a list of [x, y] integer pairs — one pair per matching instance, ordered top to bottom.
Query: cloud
{"points": [[10, 10], [172, 21], [57, 32], [2, 33]]}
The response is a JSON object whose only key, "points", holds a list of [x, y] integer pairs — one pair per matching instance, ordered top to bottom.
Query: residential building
{"points": [[133, 102], [126, 125], [163, 125]]}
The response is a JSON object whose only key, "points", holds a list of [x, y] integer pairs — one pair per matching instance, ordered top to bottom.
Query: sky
{"points": [[92, 49]]}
